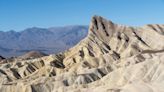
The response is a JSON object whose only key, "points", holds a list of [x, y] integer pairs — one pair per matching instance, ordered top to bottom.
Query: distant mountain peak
{"points": [[47, 40]]}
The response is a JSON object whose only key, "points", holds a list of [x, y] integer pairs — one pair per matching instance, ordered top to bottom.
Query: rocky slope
{"points": [[112, 58]]}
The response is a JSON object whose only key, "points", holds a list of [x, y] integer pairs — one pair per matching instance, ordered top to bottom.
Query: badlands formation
{"points": [[112, 58]]}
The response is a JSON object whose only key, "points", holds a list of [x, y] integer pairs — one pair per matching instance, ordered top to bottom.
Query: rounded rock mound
{"points": [[32, 55]]}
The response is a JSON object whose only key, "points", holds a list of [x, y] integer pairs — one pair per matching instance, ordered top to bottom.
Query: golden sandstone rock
{"points": [[112, 58]]}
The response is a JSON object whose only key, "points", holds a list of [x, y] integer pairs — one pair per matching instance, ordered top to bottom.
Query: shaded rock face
{"points": [[112, 58], [1, 59]]}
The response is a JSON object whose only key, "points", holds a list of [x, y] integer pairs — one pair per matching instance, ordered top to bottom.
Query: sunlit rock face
{"points": [[112, 58]]}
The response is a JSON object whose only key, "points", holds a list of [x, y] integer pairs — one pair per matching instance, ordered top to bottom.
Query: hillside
{"points": [[112, 58]]}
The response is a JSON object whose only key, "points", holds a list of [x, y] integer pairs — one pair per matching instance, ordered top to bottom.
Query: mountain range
{"points": [[46, 40]]}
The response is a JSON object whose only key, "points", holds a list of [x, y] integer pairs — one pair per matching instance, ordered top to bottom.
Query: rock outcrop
{"points": [[112, 58]]}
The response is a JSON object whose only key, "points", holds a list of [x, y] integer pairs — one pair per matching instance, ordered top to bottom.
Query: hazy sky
{"points": [[21, 14]]}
